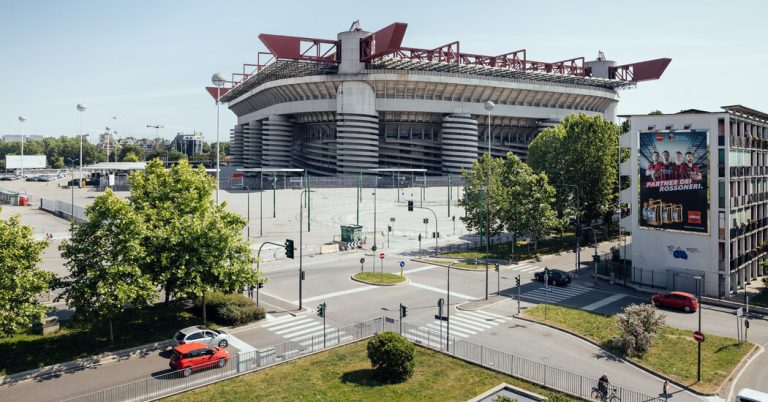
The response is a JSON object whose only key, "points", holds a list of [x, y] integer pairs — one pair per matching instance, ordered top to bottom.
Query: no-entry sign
{"points": [[381, 255], [698, 336]]}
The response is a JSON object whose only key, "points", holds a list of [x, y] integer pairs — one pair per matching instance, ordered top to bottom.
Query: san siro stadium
{"points": [[364, 101]]}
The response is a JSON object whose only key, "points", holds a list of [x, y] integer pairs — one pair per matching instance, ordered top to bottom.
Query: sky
{"points": [[147, 62]]}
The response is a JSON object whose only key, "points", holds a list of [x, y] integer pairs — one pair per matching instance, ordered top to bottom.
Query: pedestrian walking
{"points": [[250, 291], [666, 389]]}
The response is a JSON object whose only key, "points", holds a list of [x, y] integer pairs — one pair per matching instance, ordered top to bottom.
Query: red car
{"points": [[677, 300], [197, 356]]}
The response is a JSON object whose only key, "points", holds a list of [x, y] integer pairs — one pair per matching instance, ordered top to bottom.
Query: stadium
{"points": [[364, 101]]}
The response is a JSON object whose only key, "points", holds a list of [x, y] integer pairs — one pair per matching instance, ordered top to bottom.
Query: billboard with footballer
{"points": [[674, 172]]}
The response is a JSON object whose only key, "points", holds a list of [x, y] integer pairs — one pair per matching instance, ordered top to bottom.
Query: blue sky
{"points": [[147, 62]]}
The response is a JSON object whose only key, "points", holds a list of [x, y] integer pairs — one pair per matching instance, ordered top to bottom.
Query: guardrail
{"points": [[174, 382]]}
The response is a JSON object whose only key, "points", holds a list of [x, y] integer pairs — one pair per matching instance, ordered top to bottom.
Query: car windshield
{"points": [[179, 336]]}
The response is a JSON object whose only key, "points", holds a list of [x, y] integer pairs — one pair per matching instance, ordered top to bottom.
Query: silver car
{"points": [[202, 334]]}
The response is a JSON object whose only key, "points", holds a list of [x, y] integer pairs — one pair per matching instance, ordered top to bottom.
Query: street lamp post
{"points": [[218, 81], [489, 106], [81, 108], [22, 119], [72, 190], [261, 204], [249, 211], [578, 221], [301, 243], [698, 295], [448, 306]]}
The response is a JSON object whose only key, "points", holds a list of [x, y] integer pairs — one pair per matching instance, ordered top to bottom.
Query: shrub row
{"points": [[230, 308]]}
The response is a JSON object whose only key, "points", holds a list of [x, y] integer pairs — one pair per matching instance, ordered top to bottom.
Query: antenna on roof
{"points": [[355, 26], [600, 55]]}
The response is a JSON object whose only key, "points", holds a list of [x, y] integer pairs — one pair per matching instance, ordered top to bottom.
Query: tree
{"points": [[656, 112], [131, 148], [224, 148], [580, 153], [130, 157], [58, 163], [526, 199], [483, 200], [193, 245], [104, 257], [20, 278], [639, 324], [391, 356]]}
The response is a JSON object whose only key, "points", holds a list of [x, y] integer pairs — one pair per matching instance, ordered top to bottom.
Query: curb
{"points": [[432, 262], [405, 282], [466, 308], [79, 364], [639, 366], [738, 369]]}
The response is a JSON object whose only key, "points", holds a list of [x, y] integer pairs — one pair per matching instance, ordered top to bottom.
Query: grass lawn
{"points": [[377, 278], [78, 339], [672, 354], [345, 374]]}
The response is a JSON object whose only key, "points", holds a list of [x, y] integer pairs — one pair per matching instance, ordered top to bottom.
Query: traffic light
{"points": [[410, 205], [426, 220], [389, 228], [419, 236], [289, 248], [496, 268], [302, 274], [517, 280], [261, 285], [321, 310], [403, 310]]}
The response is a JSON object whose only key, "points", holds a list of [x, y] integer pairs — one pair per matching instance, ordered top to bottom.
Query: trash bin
{"points": [[23, 201]]}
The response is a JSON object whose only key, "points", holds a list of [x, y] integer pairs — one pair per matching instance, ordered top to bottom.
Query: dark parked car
{"points": [[9, 177], [556, 277], [677, 300]]}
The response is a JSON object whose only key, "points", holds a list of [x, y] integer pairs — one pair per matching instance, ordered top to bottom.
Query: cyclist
{"points": [[602, 385]]}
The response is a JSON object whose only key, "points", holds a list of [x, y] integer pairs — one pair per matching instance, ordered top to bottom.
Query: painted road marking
{"points": [[441, 291], [335, 294], [602, 303], [240, 345]]}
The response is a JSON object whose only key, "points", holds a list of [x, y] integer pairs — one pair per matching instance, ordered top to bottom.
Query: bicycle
{"points": [[612, 397]]}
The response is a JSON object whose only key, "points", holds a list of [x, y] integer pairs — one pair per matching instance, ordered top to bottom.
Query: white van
{"points": [[750, 395]]}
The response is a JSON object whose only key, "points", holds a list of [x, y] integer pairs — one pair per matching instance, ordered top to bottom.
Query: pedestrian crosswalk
{"points": [[524, 268], [555, 294], [462, 325], [307, 332]]}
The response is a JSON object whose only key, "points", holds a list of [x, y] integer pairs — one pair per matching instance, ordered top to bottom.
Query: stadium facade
{"points": [[363, 101]]}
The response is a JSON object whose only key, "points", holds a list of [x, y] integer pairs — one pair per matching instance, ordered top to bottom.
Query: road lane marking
{"points": [[441, 291], [335, 294], [604, 302], [239, 344]]}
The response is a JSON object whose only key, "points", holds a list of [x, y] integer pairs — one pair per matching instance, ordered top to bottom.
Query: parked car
{"points": [[9, 177], [33, 178], [556, 277], [677, 300], [204, 335], [197, 356]]}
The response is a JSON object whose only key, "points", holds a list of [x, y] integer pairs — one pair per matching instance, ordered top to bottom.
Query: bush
{"points": [[230, 308], [638, 326], [391, 356]]}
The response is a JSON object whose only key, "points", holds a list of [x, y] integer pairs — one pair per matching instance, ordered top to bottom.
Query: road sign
{"points": [[391, 219], [373, 248], [381, 256], [362, 260], [402, 264], [440, 302], [740, 312], [441, 317], [746, 324], [698, 336]]}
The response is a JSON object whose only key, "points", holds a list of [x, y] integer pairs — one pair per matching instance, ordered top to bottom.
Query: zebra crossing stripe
{"points": [[531, 269], [491, 315], [468, 321], [277, 322], [294, 324], [455, 327], [293, 333]]}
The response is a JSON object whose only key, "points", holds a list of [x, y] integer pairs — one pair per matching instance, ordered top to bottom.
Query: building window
{"points": [[721, 195]]}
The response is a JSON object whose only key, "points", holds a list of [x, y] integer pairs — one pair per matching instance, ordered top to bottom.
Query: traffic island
{"points": [[379, 278], [672, 355]]}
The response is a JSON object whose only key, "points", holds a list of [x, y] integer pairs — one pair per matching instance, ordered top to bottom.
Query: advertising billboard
{"points": [[30, 162], [674, 172]]}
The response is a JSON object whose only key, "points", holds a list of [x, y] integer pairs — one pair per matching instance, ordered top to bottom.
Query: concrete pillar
{"points": [[350, 52], [357, 128], [276, 141], [459, 142], [236, 144], [252, 144]]}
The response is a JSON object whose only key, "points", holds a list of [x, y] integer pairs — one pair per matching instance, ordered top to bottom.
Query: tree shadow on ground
{"points": [[362, 377]]}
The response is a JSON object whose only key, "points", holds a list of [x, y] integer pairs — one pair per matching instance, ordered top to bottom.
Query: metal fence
{"points": [[63, 209], [516, 366], [173, 382]]}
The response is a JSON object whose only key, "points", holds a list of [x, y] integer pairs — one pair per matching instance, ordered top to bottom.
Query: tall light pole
{"points": [[218, 81], [489, 106], [81, 108], [22, 119], [114, 119], [72, 190], [249, 212], [578, 220], [301, 243], [698, 295]]}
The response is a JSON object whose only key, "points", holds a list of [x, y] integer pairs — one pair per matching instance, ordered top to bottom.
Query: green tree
{"points": [[656, 112], [131, 148], [224, 148], [581, 152], [130, 157], [58, 163], [526, 199], [483, 201], [193, 245], [104, 257], [20, 278], [392, 357]]}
